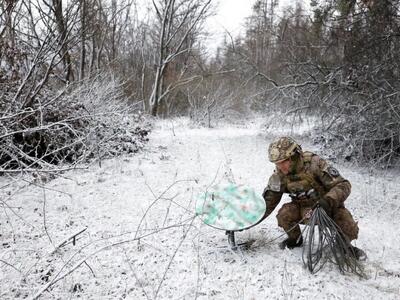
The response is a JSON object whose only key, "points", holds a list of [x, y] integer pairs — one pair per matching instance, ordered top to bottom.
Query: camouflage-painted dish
{"points": [[230, 207]]}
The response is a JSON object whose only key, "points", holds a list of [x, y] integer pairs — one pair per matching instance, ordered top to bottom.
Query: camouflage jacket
{"points": [[312, 179]]}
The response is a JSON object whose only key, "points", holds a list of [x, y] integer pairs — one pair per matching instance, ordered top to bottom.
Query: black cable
{"points": [[329, 244]]}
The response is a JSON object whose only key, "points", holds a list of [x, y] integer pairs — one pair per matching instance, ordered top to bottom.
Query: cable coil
{"points": [[325, 241]]}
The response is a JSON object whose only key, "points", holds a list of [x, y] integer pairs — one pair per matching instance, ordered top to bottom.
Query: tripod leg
{"points": [[231, 239]]}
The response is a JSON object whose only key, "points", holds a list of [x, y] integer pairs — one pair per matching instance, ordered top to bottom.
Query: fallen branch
{"points": [[65, 241], [83, 260], [10, 265]]}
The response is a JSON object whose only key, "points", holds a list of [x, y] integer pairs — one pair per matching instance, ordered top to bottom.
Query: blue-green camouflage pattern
{"points": [[230, 207]]}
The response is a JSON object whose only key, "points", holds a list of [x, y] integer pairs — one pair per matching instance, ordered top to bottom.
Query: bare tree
{"points": [[83, 11], [178, 24], [62, 27]]}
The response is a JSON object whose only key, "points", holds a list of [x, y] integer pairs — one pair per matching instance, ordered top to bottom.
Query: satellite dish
{"points": [[230, 207]]}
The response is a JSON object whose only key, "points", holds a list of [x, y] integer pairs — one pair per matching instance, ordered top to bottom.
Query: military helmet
{"points": [[283, 148]]}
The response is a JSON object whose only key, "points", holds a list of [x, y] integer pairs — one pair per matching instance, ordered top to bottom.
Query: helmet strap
{"points": [[294, 162]]}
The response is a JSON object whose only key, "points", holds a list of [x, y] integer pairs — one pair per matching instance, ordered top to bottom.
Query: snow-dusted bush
{"points": [[88, 120], [351, 122], [365, 128]]}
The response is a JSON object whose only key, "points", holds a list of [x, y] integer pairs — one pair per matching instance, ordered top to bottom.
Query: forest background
{"points": [[77, 77], [83, 80]]}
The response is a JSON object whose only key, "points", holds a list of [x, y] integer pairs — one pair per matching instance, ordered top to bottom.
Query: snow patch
{"points": [[143, 240]]}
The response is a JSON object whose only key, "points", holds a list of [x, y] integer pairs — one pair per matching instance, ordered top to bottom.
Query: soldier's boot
{"points": [[291, 243], [358, 253]]}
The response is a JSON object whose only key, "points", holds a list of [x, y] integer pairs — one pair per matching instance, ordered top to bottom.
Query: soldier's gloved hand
{"points": [[325, 204]]}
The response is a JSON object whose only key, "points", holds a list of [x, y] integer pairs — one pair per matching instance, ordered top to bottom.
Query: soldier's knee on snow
{"points": [[345, 221]]}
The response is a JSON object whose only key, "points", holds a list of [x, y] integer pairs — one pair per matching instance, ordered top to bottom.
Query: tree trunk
{"points": [[62, 31], [83, 39]]}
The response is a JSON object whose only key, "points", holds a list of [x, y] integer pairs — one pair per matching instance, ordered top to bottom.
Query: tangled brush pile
{"points": [[88, 120]]}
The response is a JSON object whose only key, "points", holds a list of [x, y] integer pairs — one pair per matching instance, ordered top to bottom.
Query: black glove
{"points": [[325, 204]]}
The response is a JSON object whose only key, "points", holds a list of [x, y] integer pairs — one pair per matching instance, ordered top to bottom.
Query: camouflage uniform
{"points": [[310, 179]]}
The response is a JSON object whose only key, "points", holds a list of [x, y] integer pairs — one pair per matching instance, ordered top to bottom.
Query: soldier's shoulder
{"points": [[308, 156], [311, 157], [316, 162], [320, 166], [277, 174], [275, 181]]}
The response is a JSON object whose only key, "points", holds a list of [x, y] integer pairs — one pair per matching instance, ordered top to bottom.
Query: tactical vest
{"points": [[303, 187]]}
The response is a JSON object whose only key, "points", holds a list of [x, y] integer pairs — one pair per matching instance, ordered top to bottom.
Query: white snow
{"points": [[178, 257]]}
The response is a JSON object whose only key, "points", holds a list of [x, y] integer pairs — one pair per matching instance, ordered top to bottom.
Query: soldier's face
{"points": [[283, 166]]}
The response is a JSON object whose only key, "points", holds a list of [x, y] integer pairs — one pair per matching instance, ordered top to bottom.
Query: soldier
{"points": [[309, 180]]}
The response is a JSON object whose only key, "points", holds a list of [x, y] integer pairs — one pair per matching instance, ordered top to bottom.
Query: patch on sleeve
{"points": [[333, 172], [274, 183]]}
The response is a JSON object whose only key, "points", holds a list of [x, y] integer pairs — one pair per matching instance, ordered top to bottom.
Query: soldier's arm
{"points": [[338, 187], [272, 194], [272, 200]]}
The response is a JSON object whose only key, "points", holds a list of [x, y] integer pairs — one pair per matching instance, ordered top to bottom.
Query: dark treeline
{"points": [[336, 61]]}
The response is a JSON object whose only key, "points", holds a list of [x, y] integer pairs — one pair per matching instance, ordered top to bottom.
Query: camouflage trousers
{"points": [[292, 213]]}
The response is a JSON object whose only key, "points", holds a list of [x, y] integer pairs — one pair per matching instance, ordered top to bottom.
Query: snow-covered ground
{"points": [[143, 240]]}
